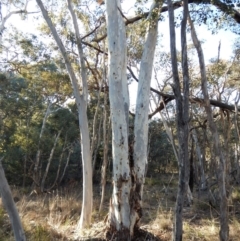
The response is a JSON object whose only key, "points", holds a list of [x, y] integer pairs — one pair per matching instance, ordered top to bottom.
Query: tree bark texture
{"points": [[182, 116], [140, 152], [220, 159], [128, 175], [10, 207], [119, 214]]}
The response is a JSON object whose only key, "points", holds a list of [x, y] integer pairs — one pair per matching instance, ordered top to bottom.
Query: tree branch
{"points": [[228, 9], [168, 97]]}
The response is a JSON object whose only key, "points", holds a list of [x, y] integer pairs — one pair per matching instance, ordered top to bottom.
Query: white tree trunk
{"points": [[81, 102], [141, 117], [128, 177], [10, 206], [86, 214], [119, 216]]}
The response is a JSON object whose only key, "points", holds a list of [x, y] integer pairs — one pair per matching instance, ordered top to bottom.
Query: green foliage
{"points": [[214, 16], [37, 77], [23, 105]]}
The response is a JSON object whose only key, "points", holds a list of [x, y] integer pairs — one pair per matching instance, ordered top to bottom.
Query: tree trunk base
{"points": [[121, 235], [124, 235]]}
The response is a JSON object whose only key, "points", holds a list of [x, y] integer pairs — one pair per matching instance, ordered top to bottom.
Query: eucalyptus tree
{"points": [[81, 98], [128, 175]]}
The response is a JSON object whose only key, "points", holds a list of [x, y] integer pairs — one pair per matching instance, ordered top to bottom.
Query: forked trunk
{"points": [[128, 175]]}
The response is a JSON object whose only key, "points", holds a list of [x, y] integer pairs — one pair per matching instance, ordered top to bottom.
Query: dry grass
{"points": [[47, 216], [54, 216]]}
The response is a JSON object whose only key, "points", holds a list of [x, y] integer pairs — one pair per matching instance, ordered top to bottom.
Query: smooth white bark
{"points": [[81, 101], [142, 105], [142, 109], [120, 206], [126, 210], [86, 214]]}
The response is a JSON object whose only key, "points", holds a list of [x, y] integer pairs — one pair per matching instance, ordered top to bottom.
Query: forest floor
{"points": [[50, 217]]}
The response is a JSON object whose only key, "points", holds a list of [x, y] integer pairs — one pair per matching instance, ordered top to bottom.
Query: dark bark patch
{"points": [[135, 202], [121, 235], [124, 235], [142, 235]]}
